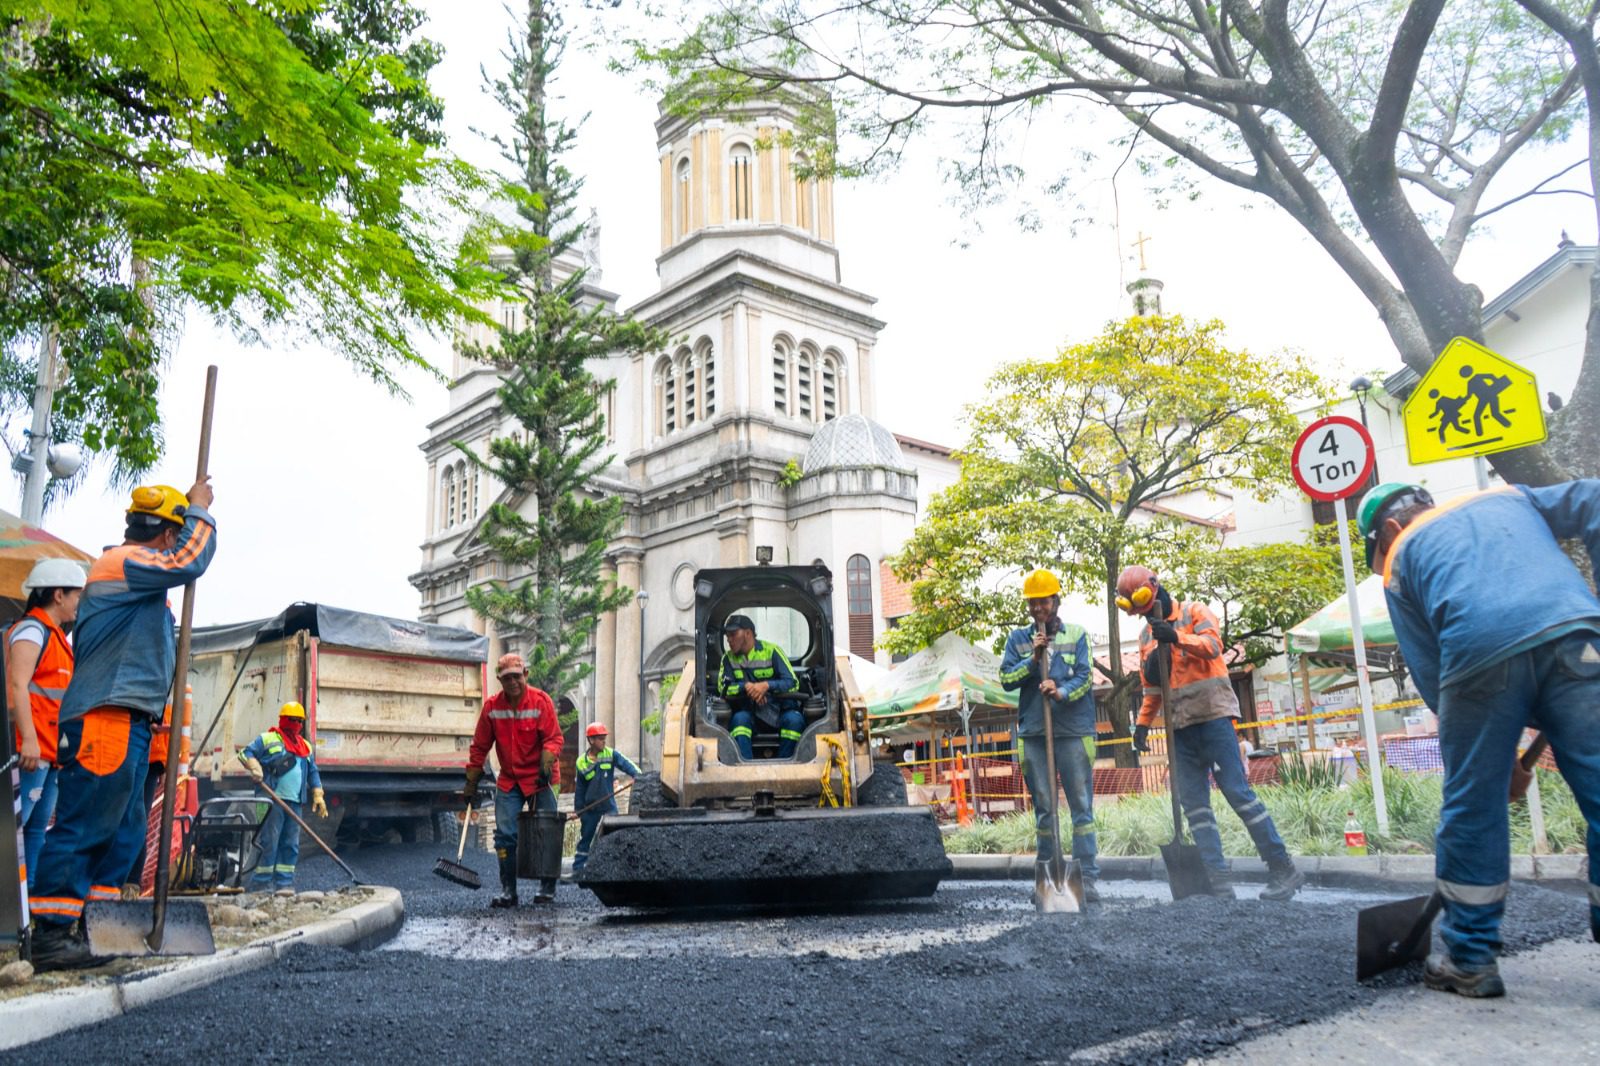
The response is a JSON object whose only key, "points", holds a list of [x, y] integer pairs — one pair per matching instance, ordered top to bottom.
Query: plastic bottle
{"points": [[1355, 837]]}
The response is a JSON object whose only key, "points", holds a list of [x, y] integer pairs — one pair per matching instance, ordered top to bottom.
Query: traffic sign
{"points": [[1472, 401], [1333, 458]]}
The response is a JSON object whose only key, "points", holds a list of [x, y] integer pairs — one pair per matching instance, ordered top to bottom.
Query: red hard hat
{"points": [[1136, 589], [597, 730]]}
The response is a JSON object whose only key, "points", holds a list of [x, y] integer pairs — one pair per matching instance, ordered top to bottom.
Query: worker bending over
{"points": [[1500, 631], [1049, 660], [755, 677], [1201, 740], [281, 760], [596, 773]]}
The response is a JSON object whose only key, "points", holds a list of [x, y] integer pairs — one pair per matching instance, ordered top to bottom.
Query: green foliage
{"points": [[272, 164], [790, 474], [1263, 590], [554, 593], [651, 723]]}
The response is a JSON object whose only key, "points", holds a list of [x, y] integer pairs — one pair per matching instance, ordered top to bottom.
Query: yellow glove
{"points": [[547, 765], [256, 773], [319, 806]]}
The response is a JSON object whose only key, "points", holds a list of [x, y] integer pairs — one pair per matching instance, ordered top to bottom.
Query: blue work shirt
{"points": [[1482, 578], [1069, 664], [289, 775], [597, 776]]}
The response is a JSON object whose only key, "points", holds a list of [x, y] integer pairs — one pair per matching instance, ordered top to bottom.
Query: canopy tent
{"points": [[20, 547], [1326, 639], [939, 685]]}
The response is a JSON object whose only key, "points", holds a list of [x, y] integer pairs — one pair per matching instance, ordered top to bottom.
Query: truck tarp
{"points": [[349, 629]]}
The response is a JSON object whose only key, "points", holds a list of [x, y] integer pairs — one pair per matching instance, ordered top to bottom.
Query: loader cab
{"points": [[792, 608]]}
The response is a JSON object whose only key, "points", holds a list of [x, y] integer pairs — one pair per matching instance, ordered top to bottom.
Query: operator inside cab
{"points": [[759, 685]]}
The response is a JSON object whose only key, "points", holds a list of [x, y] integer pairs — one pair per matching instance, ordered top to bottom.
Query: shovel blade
{"points": [[1186, 870], [1052, 894], [121, 929], [1393, 934]]}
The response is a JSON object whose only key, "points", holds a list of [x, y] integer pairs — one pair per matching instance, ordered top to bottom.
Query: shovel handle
{"points": [[1172, 776], [591, 806], [301, 822]]}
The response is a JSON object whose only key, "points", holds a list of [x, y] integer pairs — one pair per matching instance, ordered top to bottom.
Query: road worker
{"points": [[1500, 631], [126, 648], [1049, 660], [38, 667], [755, 678], [520, 722], [1202, 742], [281, 759], [596, 773]]}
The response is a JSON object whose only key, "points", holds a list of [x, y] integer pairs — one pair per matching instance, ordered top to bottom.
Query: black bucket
{"points": [[539, 835]]}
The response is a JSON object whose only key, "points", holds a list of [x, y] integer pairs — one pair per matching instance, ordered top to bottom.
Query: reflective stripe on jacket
{"points": [[764, 662], [48, 685], [1201, 690], [1073, 713], [520, 735], [277, 760], [596, 777]]}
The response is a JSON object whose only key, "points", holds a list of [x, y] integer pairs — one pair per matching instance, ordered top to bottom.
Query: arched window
{"points": [[741, 183], [805, 192], [682, 197], [707, 357], [781, 357], [805, 369], [687, 373], [832, 387], [666, 397], [450, 497], [473, 512], [858, 597]]}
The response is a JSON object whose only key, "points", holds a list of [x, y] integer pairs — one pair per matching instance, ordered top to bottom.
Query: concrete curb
{"points": [[1328, 870], [45, 1014]]}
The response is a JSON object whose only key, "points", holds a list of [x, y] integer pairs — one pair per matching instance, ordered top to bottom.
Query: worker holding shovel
{"points": [[126, 651], [280, 759]]}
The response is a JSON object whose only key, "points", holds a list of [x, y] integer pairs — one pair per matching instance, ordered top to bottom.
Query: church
{"points": [[752, 436]]}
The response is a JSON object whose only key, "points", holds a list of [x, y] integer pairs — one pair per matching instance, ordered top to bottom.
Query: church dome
{"points": [[853, 441]]}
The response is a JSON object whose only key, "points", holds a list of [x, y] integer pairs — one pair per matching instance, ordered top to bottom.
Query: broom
{"points": [[455, 872]]}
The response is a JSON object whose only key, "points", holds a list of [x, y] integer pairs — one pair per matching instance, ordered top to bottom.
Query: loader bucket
{"points": [[788, 858]]}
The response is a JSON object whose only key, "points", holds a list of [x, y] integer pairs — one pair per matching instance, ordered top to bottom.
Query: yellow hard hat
{"points": [[159, 501], [1039, 584], [291, 710]]}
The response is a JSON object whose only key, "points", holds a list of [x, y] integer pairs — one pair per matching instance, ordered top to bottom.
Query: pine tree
{"points": [[553, 592]]}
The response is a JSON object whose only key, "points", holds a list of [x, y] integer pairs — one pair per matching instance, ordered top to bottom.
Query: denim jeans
{"points": [[1555, 686], [791, 724], [1211, 750], [1075, 769], [38, 804], [509, 804], [279, 840]]}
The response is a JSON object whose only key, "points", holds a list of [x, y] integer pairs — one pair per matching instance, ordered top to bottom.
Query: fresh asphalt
{"points": [[971, 975]]}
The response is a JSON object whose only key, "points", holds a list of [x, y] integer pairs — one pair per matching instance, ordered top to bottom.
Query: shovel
{"points": [[301, 822], [1186, 870], [455, 872], [1056, 889], [160, 926], [1393, 934]]}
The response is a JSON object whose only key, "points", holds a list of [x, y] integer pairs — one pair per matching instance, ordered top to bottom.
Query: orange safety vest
{"points": [[48, 684], [1200, 687], [160, 740]]}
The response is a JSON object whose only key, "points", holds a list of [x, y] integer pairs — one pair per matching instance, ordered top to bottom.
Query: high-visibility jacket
{"points": [[764, 662], [50, 678], [1201, 690], [1073, 713], [520, 736], [277, 762], [596, 776]]}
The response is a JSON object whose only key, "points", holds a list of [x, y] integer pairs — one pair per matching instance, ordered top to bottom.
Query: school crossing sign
{"points": [[1471, 402]]}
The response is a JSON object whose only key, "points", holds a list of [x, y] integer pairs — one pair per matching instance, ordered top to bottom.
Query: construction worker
{"points": [[1500, 631], [126, 649], [1049, 660], [38, 667], [755, 675], [520, 722], [1200, 734], [281, 759], [596, 772]]}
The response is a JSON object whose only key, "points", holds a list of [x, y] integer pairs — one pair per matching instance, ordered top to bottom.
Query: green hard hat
{"points": [[1377, 498]]}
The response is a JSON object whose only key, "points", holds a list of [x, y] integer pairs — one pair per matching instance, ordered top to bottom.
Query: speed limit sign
{"points": [[1333, 458]]}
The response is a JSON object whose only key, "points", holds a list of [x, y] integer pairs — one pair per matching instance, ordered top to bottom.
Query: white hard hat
{"points": [[54, 574]]}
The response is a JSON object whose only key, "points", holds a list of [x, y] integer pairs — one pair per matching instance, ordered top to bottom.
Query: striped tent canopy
{"points": [[20, 547], [933, 686]]}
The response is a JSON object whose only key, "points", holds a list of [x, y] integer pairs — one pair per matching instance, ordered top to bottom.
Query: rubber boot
{"points": [[508, 878], [1282, 882], [1221, 884], [1091, 890], [546, 893], [58, 947], [1444, 974]]}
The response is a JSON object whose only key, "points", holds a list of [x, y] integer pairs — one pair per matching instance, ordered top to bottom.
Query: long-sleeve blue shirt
{"points": [[1482, 578], [124, 640], [1069, 666], [597, 774]]}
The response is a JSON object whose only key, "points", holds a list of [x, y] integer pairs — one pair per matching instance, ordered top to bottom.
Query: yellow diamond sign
{"points": [[1471, 402]]}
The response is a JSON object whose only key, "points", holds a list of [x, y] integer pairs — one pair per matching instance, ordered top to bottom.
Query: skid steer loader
{"points": [[824, 826]]}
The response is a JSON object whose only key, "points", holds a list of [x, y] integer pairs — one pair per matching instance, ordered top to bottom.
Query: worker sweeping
{"points": [[1500, 631], [126, 652], [1049, 660], [38, 668], [520, 722], [1201, 737], [281, 759], [596, 773]]}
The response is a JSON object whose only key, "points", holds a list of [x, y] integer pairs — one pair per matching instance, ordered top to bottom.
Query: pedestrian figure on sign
{"points": [[1486, 389], [1447, 409]]}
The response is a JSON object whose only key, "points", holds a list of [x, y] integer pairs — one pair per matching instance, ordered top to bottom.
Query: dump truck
{"points": [[390, 707], [825, 826]]}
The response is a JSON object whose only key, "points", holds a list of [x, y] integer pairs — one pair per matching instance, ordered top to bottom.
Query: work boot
{"points": [[508, 879], [1282, 883], [1221, 884], [1091, 890], [547, 892], [58, 947], [1477, 982]]}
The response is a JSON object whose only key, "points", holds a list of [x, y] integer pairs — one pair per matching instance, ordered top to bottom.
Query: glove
{"points": [[1163, 631], [1141, 738], [547, 765], [256, 773], [469, 792], [319, 806]]}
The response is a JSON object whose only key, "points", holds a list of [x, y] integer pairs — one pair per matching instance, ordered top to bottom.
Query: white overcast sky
{"points": [[321, 488]]}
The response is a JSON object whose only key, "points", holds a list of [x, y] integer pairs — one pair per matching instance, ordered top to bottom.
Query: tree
{"points": [[1379, 128], [274, 164], [1074, 462], [554, 592]]}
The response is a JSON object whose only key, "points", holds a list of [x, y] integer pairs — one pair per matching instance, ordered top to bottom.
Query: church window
{"points": [[742, 183], [804, 194], [682, 197], [508, 316], [804, 375], [689, 377], [780, 377], [708, 378], [830, 387], [666, 397], [450, 497], [473, 512], [858, 596]]}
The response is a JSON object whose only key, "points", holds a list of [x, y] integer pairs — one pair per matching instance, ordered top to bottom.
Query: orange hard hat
{"points": [[1136, 589], [597, 729]]}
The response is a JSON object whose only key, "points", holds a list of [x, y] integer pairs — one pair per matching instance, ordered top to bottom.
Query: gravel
{"points": [[970, 975]]}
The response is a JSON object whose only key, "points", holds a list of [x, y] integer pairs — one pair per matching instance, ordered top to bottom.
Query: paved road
{"points": [[971, 975]]}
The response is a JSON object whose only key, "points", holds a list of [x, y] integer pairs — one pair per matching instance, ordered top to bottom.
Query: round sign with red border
{"points": [[1333, 458]]}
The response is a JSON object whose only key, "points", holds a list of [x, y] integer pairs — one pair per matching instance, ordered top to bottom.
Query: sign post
{"points": [[1332, 460]]}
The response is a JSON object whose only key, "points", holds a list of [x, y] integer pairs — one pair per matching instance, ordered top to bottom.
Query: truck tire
{"points": [[885, 788], [647, 794]]}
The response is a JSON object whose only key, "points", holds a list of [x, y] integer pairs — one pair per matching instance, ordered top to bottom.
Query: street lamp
{"points": [[1361, 385], [644, 696]]}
